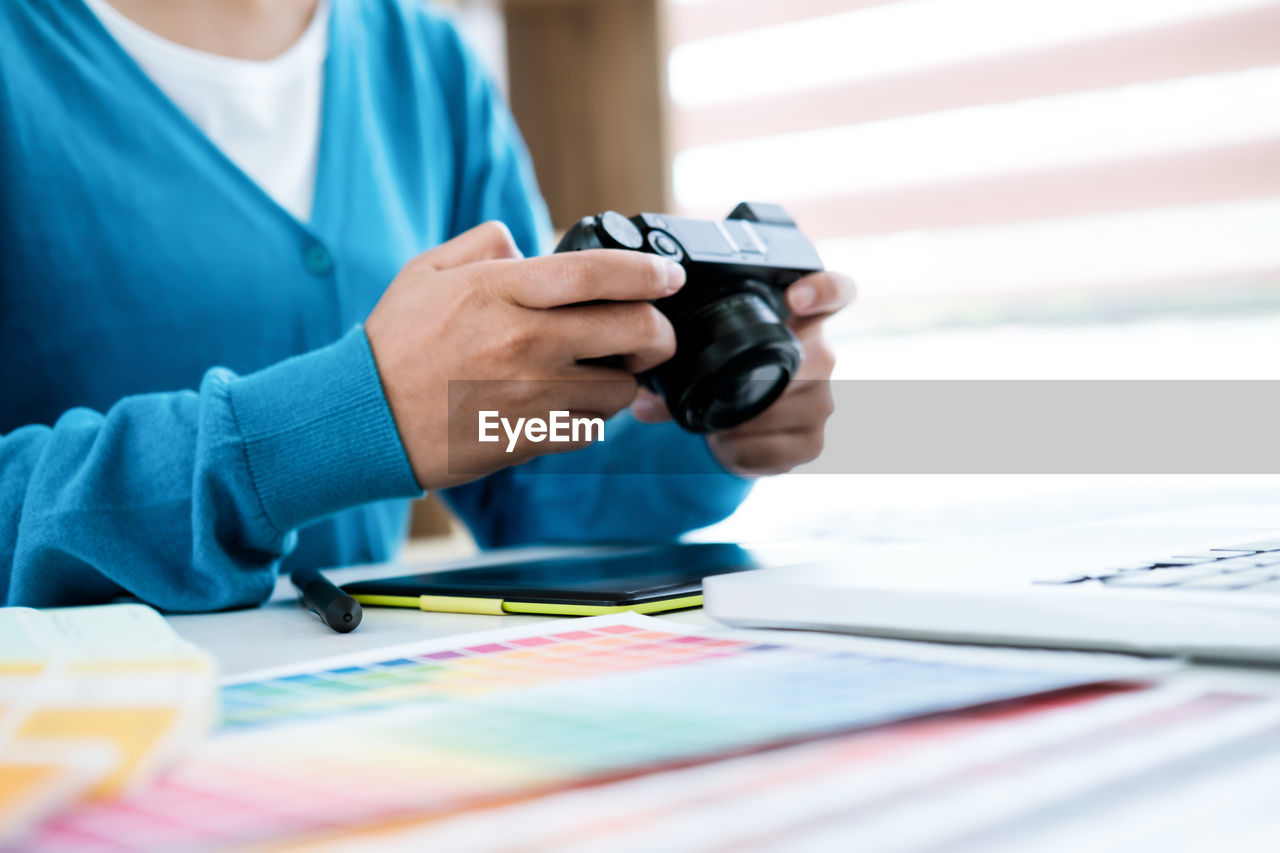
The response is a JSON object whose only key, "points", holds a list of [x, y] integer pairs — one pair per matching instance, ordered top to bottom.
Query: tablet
{"points": [[646, 579]]}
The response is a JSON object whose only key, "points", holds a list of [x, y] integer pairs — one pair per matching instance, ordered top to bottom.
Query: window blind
{"points": [[944, 148]]}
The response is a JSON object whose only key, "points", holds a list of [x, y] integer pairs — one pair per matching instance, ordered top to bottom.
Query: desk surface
{"points": [[281, 632]]}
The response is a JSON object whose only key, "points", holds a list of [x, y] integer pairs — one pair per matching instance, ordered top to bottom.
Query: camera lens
{"points": [[734, 358], [757, 384]]}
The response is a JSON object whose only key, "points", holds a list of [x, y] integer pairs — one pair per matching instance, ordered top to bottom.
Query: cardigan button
{"points": [[317, 260]]}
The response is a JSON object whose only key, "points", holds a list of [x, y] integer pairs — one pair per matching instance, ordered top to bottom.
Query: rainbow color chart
{"points": [[385, 739]]}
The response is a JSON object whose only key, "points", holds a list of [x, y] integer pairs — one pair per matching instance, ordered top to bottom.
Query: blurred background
{"points": [[1060, 189]]}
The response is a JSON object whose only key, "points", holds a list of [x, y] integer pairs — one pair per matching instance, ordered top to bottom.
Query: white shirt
{"points": [[265, 116]]}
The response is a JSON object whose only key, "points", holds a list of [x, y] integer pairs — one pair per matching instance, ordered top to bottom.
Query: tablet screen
{"points": [[617, 577]]}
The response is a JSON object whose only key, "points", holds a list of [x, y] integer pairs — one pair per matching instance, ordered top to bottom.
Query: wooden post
{"points": [[588, 89]]}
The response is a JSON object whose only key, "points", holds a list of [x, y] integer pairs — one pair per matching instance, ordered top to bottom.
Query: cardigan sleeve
{"points": [[189, 500]]}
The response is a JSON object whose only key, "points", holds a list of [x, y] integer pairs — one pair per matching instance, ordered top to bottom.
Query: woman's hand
{"points": [[473, 309], [790, 432]]}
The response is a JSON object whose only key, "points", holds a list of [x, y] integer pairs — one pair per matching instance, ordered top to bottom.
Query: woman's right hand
{"points": [[474, 309]]}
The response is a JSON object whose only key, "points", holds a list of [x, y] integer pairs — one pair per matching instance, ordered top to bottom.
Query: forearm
{"points": [[189, 500]]}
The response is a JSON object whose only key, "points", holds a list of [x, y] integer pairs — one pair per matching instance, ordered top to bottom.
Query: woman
{"points": [[203, 202]]}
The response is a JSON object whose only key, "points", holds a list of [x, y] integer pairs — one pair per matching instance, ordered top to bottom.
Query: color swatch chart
{"points": [[381, 740], [1069, 771]]}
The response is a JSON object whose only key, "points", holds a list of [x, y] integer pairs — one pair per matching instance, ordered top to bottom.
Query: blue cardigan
{"points": [[187, 399]]}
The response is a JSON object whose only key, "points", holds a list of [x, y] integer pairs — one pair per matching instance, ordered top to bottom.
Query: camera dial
{"points": [[618, 232]]}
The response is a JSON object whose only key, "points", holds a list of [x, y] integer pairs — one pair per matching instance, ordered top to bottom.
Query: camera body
{"points": [[734, 354]]}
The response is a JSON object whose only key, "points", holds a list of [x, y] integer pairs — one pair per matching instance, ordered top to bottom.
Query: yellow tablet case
{"points": [[501, 607]]}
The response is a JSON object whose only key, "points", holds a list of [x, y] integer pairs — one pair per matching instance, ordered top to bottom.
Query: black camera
{"points": [[734, 357]]}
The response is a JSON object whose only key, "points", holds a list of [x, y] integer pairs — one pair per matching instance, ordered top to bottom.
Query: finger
{"points": [[491, 241], [573, 277], [820, 294], [637, 331], [819, 360], [585, 390], [594, 391], [806, 405], [649, 408], [766, 455]]}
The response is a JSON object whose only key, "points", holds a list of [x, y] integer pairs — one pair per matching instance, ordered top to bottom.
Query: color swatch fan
{"points": [[94, 703]]}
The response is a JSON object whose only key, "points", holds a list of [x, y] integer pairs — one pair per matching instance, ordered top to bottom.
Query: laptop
{"points": [[1199, 583]]}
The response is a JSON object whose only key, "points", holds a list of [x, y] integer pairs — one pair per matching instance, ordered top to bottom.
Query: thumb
{"points": [[491, 241], [648, 408]]}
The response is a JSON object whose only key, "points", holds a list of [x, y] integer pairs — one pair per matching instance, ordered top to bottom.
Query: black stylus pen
{"points": [[335, 608]]}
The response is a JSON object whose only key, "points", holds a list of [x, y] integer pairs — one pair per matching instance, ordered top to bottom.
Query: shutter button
{"points": [[664, 244], [317, 260]]}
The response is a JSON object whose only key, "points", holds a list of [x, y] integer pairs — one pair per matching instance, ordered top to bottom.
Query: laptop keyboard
{"points": [[1252, 567]]}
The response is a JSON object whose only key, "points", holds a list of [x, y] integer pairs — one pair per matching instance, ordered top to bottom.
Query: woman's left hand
{"points": [[790, 432]]}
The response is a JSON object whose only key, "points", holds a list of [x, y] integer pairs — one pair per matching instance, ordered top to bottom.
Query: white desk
{"points": [[282, 632]]}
